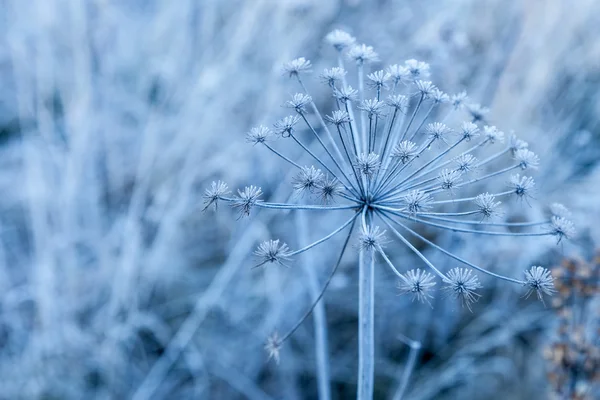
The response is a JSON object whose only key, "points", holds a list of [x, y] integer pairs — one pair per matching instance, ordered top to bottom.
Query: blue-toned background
{"points": [[116, 115]]}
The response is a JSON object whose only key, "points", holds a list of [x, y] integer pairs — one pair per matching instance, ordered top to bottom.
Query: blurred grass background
{"points": [[114, 117]]}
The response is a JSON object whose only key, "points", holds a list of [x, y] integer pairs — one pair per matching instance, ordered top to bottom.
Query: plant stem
{"points": [[319, 318], [366, 336]]}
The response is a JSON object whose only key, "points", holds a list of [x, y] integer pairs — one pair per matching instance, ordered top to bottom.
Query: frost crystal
{"points": [[340, 40], [297, 66], [308, 179], [212, 195], [246, 199], [271, 251], [540, 281], [418, 283], [461, 283]]}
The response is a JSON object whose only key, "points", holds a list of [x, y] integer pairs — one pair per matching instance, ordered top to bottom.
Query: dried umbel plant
{"points": [[386, 156], [574, 354]]}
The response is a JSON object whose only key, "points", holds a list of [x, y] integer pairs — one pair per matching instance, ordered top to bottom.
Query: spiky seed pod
{"points": [[340, 40], [363, 54], [298, 66], [417, 69], [398, 73], [333, 76], [378, 79], [425, 88], [346, 94], [439, 97], [458, 100], [298, 102], [399, 102], [373, 107], [477, 111], [338, 117], [285, 126], [437, 131], [469, 131], [259, 134], [492, 134], [515, 144], [405, 151], [526, 159], [466, 163], [367, 164], [448, 178], [307, 179], [522, 186], [328, 189], [213, 194], [246, 199], [417, 201], [487, 205], [562, 228], [373, 238], [271, 252], [540, 281], [417, 283], [461, 283], [273, 347]]}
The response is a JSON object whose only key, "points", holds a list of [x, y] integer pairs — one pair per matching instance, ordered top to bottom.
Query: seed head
{"points": [[339, 39], [363, 54], [298, 66], [417, 69], [398, 73], [333, 75], [378, 79], [426, 88], [346, 94], [439, 97], [458, 100], [299, 102], [399, 102], [373, 107], [477, 112], [338, 117], [285, 126], [437, 131], [469, 131], [259, 134], [493, 135], [515, 144], [405, 151], [526, 159], [466, 163], [367, 164], [448, 178], [307, 180], [521, 185], [328, 189], [214, 193], [246, 199], [417, 201], [487, 205], [562, 228], [372, 238], [271, 252], [540, 281], [418, 283], [461, 283], [273, 347]]}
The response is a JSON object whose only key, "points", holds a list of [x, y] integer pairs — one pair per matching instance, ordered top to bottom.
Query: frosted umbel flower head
{"points": [[395, 152]]}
